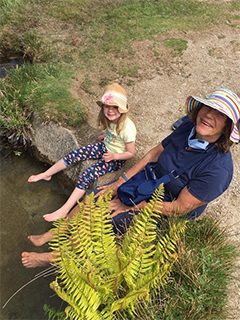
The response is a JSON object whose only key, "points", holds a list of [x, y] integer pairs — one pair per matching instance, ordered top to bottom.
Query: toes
{"points": [[30, 179], [49, 218], [24, 254]]}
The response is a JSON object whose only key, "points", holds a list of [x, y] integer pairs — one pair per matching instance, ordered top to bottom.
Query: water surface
{"points": [[22, 206]]}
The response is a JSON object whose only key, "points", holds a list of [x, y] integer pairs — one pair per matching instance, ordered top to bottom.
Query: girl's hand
{"points": [[101, 137], [108, 156], [118, 207]]}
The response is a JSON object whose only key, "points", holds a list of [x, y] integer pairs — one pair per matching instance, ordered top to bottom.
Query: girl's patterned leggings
{"points": [[89, 152]]}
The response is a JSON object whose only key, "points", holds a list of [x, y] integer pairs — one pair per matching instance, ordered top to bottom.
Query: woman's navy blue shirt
{"points": [[206, 180]]}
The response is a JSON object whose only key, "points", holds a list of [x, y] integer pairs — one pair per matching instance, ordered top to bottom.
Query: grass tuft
{"points": [[177, 45], [39, 88], [202, 274]]}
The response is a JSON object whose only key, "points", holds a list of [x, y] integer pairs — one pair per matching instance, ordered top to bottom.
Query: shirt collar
{"points": [[196, 143]]}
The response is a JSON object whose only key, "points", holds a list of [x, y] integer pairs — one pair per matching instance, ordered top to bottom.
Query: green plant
{"points": [[221, 36], [88, 39], [177, 45], [216, 52], [129, 71], [87, 85], [39, 88], [201, 274], [100, 277], [53, 314]]}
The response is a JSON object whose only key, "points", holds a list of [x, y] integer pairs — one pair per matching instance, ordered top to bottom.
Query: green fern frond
{"points": [[145, 222], [104, 237], [138, 244], [166, 246], [97, 276], [156, 279], [83, 299], [129, 301], [54, 314]]}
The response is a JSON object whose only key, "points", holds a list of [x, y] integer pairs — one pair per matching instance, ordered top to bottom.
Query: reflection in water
{"points": [[8, 65], [22, 206]]}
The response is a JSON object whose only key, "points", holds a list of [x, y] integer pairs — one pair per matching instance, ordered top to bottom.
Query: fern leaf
{"points": [[138, 243], [97, 276], [129, 300]]}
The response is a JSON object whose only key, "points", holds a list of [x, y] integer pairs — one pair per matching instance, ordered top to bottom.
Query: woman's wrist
{"points": [[123, 175]]}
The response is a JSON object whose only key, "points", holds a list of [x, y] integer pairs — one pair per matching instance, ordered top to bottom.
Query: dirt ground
{"points": [[157, 95]]}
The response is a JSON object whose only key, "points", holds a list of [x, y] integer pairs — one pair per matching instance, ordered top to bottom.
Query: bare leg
{"points": [[47, 175], [64, 210], [73, 211], [39, 240], [33, 259]]}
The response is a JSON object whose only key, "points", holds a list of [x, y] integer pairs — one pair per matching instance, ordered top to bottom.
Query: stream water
{"points": [[22, 206]]}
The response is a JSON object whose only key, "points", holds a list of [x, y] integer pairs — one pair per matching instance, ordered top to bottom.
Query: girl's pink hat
{"points": [[115, 95], [224, 101]]}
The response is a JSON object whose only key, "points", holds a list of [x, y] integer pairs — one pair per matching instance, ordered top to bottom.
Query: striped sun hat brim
{"points": [[222, 100]]}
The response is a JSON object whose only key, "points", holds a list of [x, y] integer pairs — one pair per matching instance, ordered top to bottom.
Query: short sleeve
{"points": [[128, 133], [180, 133], [210, 184]]}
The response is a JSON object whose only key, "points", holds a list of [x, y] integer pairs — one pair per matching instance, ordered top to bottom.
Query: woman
{"points": [[211, 130]]}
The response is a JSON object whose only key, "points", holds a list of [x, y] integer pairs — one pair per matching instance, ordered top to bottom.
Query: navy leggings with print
{"points": [[91, 152]]}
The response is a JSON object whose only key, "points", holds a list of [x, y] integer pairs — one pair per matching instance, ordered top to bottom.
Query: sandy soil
{"points": [[157, 96]]}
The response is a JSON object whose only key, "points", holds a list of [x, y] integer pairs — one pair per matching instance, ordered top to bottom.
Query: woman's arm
{"points": [[150, 156], [185, 203]]}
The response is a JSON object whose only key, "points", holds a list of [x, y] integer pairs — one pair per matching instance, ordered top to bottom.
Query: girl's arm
{"points": [[128, 154], [151, 156]]}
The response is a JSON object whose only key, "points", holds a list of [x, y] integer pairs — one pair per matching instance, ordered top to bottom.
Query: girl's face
{"points": [[111, 113], [210, 124]]}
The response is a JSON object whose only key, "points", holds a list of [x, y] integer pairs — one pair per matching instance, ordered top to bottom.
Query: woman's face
{"points": [[111, 113], [210, 124]]}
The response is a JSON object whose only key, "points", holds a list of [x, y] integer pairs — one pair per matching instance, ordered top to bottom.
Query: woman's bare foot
{"points": [[40, 176], [58, 214], [39, 240], [33, 259]]}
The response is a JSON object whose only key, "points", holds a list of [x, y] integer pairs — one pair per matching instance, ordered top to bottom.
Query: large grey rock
{"points": [[51, 142]]}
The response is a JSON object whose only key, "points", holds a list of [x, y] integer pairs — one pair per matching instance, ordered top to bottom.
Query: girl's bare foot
{"points": [[40, 176], [58, 214], [39, 240], [33, 259]]}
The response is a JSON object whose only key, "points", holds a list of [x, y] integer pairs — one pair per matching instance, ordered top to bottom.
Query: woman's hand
{"points": [[113, 186], [118, 207]]}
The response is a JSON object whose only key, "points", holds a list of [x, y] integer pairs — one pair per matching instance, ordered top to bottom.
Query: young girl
{"points": [[117, 145]]}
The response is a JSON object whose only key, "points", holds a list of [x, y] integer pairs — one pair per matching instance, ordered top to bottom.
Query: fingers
{"points": [[106, 157], [101, 190], [115, 213]]}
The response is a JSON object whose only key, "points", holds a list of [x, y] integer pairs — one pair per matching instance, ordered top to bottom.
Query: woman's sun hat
{"points": [[115, 95], [224, 101]]}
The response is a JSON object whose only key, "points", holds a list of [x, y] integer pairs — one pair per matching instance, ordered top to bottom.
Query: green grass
{"points": [[107, 27], [91, 39], [177, 45], [40, 88], [201, 276], [198, 285]]}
